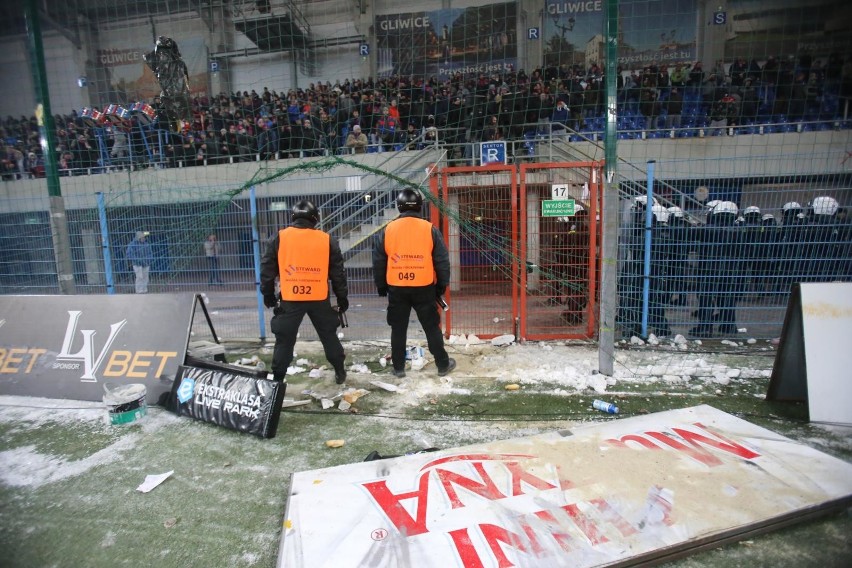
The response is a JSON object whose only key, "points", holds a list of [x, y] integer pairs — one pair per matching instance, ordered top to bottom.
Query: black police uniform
{"points": [[402, 299], [288, 315]]}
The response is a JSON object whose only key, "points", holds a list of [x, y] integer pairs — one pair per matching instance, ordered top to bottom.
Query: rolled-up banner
{"points": [[229, 397]]}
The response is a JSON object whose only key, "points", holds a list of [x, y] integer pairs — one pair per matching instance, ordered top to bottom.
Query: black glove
{"points": [[439, 290], [383, 291], [270, 300], [343, 304]]}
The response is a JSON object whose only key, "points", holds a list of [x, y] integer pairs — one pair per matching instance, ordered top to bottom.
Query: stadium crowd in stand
{"points": [[409, 113]]}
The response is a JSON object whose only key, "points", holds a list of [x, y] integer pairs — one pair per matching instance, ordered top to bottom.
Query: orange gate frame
{"points": [[595, 177], [440, 187], [443, 222]]}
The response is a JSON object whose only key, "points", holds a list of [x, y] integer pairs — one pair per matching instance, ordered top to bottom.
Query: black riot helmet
{"points": [[409, 200], [304, 209]]}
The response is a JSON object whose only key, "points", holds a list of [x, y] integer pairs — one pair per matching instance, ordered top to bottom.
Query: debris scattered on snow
{"points": [[502, 340], [152, 481]]}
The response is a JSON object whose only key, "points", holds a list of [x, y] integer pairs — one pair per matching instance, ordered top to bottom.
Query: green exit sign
{"points": [[557, 207]]}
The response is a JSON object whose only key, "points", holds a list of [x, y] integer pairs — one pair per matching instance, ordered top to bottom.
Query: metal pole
{"points": [[47, 130], [610, 217], [255, 237], [646, 272], [110, 280]]}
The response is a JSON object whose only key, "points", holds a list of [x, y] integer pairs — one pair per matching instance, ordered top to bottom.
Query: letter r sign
{"points": [[532, 33], [364, 49], [492, 153]]}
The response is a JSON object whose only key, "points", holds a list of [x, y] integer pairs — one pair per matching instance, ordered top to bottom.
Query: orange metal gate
{"points": [[480, 224], [515, 271], [558, 289]]}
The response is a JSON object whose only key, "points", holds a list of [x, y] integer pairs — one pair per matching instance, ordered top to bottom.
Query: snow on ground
{"points": [[555, 367], [25, 466]]}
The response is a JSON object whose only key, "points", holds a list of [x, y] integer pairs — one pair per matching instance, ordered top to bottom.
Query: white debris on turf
{"points": [[502, 340], [653, 340], [636, 341], [729, 342], [360, 368], [292, 370], [315, 373], [385, 386]]}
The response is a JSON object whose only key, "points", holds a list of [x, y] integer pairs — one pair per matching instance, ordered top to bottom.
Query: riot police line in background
{"points": [[712, 264]]}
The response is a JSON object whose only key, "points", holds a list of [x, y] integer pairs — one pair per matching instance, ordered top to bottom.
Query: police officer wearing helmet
{"points": [[793, 235], [827, 240], [751, 247], [678, 256], [303, 259], [411, 266], [718, 271]]}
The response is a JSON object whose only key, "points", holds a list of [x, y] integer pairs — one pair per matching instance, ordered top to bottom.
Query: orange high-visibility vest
{"points": [[408, 244], [303, 264]]}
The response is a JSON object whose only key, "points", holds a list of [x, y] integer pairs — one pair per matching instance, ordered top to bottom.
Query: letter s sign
{"points": [[720, 18]]}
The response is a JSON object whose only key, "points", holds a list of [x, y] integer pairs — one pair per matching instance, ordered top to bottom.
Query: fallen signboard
{"points": [[626, 492]]}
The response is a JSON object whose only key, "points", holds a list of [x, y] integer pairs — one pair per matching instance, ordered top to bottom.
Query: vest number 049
{"points": [[405, 276]]}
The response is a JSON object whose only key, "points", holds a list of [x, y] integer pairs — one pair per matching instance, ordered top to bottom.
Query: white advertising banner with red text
{"points": [[599, 494]]}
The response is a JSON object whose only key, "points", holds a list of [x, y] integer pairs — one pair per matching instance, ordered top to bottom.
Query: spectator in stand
{"points": [[738, 72], [679, 75], [696, 78], [662, 81], [797, 97], [649, 106], [674, 108], [393, 110], [725, 112], [559, 119], [457, 122], [328, 129], [386, 129], [492, 130], [430, 131], [412, 137], [267, 139], [288, 140], [357, 140], [311, 141], [119, 145], [66, 162], [9, 163], [35, 165]]}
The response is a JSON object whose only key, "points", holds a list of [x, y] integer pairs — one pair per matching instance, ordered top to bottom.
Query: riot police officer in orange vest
{"points": [[303, 259], [411, 266]]}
